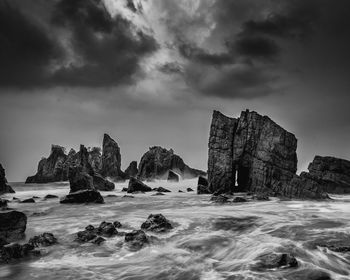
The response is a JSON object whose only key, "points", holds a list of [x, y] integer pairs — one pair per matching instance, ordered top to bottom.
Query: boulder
{"points": [[255, 152], [95, 158], [111, 159], [156, 163], [51, 169], [132, 170], [173, 177], [80, 179], [101, 183], [136, 185], [4, 186], [161, 189], [189, 190], [158, 193], [50, 196], [83, 196], [28, 200], [156, 223], [12, 225], [107, 229], [45, 239], [136, 239], [16, 251], [273, 261]]}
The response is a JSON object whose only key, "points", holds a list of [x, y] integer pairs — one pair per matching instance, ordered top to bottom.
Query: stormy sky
{"points": [[150, 72]]}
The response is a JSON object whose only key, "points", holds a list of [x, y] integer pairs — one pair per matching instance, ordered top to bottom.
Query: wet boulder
{"points": [[173, 177], [101, 183], [136, 185], [161, 189], [189, 190], [158, 193], [50, 196], [83, 196], [28, 200], [157, 223], [12, 225], [107, 229], [86, 235], [45, 239], [136, 239], [16, 251], [274, 260]]}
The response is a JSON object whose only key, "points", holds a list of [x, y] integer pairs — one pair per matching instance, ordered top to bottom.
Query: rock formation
{"points": [[253, 153], [111, 159], [156, 163], [51, 169], [132, 170], [173, 177], [136, 185], [202, 186], [4, 187], [12, 225]]}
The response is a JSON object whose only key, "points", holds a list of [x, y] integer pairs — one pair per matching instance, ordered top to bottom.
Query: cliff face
{"points": [[249, 153], [111, 159], [156, 163], [4, 187]]}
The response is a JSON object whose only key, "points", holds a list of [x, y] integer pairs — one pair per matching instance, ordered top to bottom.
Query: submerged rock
{"points": [[157, 162], [132, 170], [173, 177], [136, 185], [4, 186], [161, 189], [189, 190], [158, 193], [50, 196], [83, 196], [219, 198], [28, 200], [156, 223], [12, 225], [107, 229], [45, 239], [136, 239], [273, 260]]}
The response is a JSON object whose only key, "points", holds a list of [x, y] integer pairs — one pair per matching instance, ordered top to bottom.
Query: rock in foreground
{"points": [[136, 185], [83, 196], [156, 223], [12, 225], [45, 239], [136, 239]]}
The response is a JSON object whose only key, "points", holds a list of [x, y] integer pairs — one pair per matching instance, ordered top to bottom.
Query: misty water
{"points": [[209, 241]]}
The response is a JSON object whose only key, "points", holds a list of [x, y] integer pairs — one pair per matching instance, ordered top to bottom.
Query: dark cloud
{"points": [[256, 47], [101, 50]]}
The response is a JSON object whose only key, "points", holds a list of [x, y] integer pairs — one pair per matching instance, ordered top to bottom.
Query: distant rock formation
{"points": [[253, 153], [111, 159], [156, 163], [132, 170], [4, 186]]}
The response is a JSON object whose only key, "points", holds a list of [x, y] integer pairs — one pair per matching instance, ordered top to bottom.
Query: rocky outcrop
{"points": [[251, 150], [111, 159], [156, 163], [51, 169], [132, 170], [173, 177], [136, 185], [4, 186], [203, 186], [83, 196], [157, 223], [12, 225], [43, 240], [136, 240]]}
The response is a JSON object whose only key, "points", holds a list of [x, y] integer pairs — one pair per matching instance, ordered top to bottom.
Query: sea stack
{"points": [[253, 154], [111, 159], [157, 162], [132, 170], [4, 186]]}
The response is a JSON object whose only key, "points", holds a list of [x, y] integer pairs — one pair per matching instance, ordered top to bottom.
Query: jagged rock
{"points": [[257, 153], [95, 159], [111, 159], [156, 163], [51, 169], [132, 170], [173, 177], [79, 179], [102, 184], [136, 185], [202, 186], [4, 187], [161, 189], [189, 190], [50, 196], [83, 196], [28, 200], [156, 223], [12, 225], [107, 229], [86, 235], [45, 239], [136, 239], [16, 251], [272, 261]]}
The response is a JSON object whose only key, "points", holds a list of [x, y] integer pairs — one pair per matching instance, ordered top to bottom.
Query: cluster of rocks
{"points": [[254, 154], [4, 186], [135, 239]]}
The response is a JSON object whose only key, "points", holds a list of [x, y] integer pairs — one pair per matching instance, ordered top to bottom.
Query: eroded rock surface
{"points": [[132, 169], [136, 185], [4, 186], [156, 223], [12, 225]]}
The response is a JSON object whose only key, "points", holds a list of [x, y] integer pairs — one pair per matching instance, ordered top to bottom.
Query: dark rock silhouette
{"points": [[258, 154], [111, 159], [156, 163], [51, 169], [132, 170], [173, 177], [79, 179], [101, 183], [136, 185], [4, 186], [203, 186], [161, 189], [83, 196], [28, 200], [156, 223], [12, 225], [136, 239], [43, 240], [16, 251], [273, 260]]}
